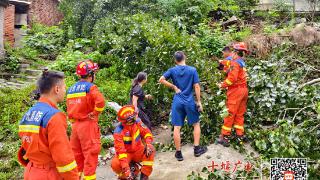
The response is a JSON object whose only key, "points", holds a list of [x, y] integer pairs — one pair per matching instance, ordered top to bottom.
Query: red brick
{"points": [[45, 12], [9, 24]]}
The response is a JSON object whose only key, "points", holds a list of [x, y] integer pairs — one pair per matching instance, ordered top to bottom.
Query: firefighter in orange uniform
{"points": [[224, 64], [237, 96], [84, 104], [129, 147], [46, 152]]}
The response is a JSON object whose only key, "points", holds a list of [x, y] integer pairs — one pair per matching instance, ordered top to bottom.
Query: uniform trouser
{"points": [[237, 105], [86, 145], [139, 157], [41, 172]]}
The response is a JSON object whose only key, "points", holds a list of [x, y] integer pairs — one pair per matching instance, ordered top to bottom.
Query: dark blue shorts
{"points": [[180, 111]]}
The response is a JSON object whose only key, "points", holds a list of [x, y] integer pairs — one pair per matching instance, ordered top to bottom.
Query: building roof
{"points": [[4, 2], [19, 2]]}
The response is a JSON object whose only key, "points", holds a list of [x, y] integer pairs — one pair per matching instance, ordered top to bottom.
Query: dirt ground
{"points": [[166, 167]]}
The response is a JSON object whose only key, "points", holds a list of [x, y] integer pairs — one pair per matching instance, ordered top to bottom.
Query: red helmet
{"points": [[241, 46], [86, 67], [127, 114]]}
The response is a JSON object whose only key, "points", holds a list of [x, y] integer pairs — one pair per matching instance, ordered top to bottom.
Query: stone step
{"points": [[23, 67], [33, 72], [11, 76], [31, 78], [19, 82]]}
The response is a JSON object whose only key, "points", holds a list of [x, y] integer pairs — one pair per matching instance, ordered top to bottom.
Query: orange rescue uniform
{"points": [[237, 96], [84, 98], [46, 144], [129, 147]]}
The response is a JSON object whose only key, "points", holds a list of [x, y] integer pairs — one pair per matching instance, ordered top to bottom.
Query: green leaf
{"points": [[291, 151]]}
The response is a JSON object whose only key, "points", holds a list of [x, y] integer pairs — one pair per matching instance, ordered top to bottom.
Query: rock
{"points": [[301, 20], [231, 21], [115, 106], [208, 157]]}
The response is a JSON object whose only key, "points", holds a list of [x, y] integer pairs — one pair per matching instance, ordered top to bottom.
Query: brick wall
{"points": [[45, 12], [9, 24]]}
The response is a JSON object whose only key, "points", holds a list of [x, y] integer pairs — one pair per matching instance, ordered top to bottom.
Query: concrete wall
{"points": [[300, 5], [20, 20], [1, 31]]}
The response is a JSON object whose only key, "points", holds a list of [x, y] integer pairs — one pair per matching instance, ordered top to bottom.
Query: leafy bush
{"points": [[80, 16], [46, 40], [141, 42], [67, 61], [10, 63], [14, 104]]}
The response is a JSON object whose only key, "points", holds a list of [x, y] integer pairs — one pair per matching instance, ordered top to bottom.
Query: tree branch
{"points": [[310, 83]]}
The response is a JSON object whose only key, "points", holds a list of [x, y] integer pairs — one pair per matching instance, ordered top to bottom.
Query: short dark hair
{"points": [[226, 48], [240, 53], [179, 56], [49, 79]]}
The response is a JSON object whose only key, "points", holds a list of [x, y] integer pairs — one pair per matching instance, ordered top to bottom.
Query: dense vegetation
{"points": [[126, 37]]}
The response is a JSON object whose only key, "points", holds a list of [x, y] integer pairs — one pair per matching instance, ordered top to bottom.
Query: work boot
{"points": [[242, 139], [224, 140], [199, 150], [179, 156], [143, 177]]}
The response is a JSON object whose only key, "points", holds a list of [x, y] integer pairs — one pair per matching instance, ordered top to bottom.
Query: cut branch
{"points": [[310, 83]]}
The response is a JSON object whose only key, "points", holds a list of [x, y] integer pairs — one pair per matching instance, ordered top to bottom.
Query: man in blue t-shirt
{"points": [[185, 80]]}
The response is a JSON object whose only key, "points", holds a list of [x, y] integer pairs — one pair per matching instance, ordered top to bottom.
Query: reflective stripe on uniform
{"points": [[228, 64], [228, 82], [76, 95], [98, 109], [238, 127], [29, 128], [226, 128], [137, 134], [147, 135], [127, 138], [123, 155], [147, 163], [67, 167], [90, 177]]}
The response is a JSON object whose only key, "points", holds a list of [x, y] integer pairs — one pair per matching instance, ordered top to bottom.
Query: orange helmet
{"points": [[241, 46], [86, 67], [127, 114]]}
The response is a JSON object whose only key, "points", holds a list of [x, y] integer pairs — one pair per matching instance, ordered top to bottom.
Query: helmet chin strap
{"points": [[92, 77]]}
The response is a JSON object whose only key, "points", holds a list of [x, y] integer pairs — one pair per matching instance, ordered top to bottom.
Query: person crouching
{"points": [[130, 149]]}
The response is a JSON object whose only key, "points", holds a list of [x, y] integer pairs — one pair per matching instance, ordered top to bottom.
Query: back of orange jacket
{"points": [[84, 98], [44, 138]]}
